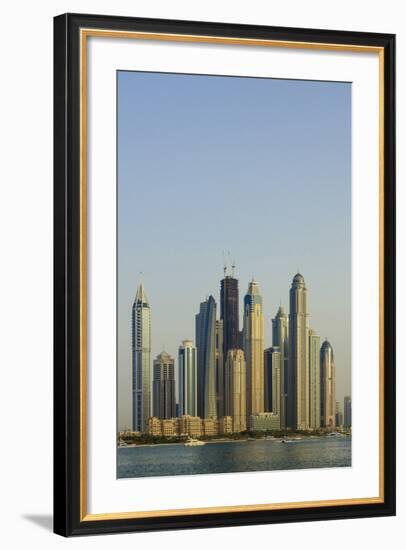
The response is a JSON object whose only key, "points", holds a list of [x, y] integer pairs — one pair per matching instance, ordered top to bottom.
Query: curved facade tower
{"points": [[253, 337], [280, 339], [206, 359], [141, 361], [298, 366], [328, 386]]}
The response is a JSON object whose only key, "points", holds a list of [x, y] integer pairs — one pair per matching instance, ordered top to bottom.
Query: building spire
{"points": [[224, 264], [253, 287], [141, 295]]}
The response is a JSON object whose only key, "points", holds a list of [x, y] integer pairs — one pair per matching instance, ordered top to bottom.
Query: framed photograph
{"points": [[224, 274]]}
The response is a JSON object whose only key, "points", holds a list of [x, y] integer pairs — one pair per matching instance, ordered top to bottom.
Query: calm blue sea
{"points": [[241, 456]]}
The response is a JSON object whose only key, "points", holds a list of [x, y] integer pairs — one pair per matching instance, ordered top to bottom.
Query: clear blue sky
{"points": [[259, 167]]}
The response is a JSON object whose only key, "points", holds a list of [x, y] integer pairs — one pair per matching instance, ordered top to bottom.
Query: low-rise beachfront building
{"points": [[265, 421], [190, 425], [225, 425], [154, 426], [210, 426], [170, 427]]}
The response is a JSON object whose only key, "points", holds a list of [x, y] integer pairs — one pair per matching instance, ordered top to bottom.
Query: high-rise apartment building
{"points": [[229, 313], [253, 333], [280, 339], [206, 359], [141, 360], [298, 366], [219, 368], [187, 379], [268, 380], [314, 380], [328, 386], [236, 390], [274, 401], [164, 404], [347, 412], [339, 415]]}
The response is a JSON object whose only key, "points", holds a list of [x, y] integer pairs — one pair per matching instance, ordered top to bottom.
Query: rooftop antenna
{"points": [[224, 264], [232, 268]]}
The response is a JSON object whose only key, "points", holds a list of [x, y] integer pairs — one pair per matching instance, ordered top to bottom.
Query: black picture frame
{"points": [[67, 381]]}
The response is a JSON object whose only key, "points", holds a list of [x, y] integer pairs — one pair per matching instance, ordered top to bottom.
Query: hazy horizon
{"points": [[258, 167]]}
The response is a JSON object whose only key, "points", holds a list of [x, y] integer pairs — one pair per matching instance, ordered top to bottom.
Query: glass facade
{"points": [[141, 361]]}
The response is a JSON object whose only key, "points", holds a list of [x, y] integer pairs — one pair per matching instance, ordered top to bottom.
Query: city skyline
{"points": [[226, 182], [249, 388]]}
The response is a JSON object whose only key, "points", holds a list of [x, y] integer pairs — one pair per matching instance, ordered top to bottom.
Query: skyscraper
{"points": [[229, 313], [280, 339], [254, 349], [206, 359], [141, 360], [298, 367], [219, 368], [187, 379], [268, 380], [314, 380], [272, 381], [164, 386], [328, 386], [235, 394], [347, 412], [339, 415]]}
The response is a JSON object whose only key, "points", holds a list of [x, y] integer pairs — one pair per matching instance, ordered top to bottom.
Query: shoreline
{"points": [[211, 441], [131, 445]]}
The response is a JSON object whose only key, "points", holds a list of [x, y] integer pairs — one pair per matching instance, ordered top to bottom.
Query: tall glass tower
{"points": [[229, 313], [253, 338], [280, 339], [206, 359], [141, 361], [298, 368], [220, 370], [187, 379], [314, 380], [272, 382], [164, 386], [328, 386], [235, 393], [347, 412]]}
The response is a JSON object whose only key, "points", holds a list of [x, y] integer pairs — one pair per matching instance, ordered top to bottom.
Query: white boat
{"points": [[291, 439], [194, 443]]}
